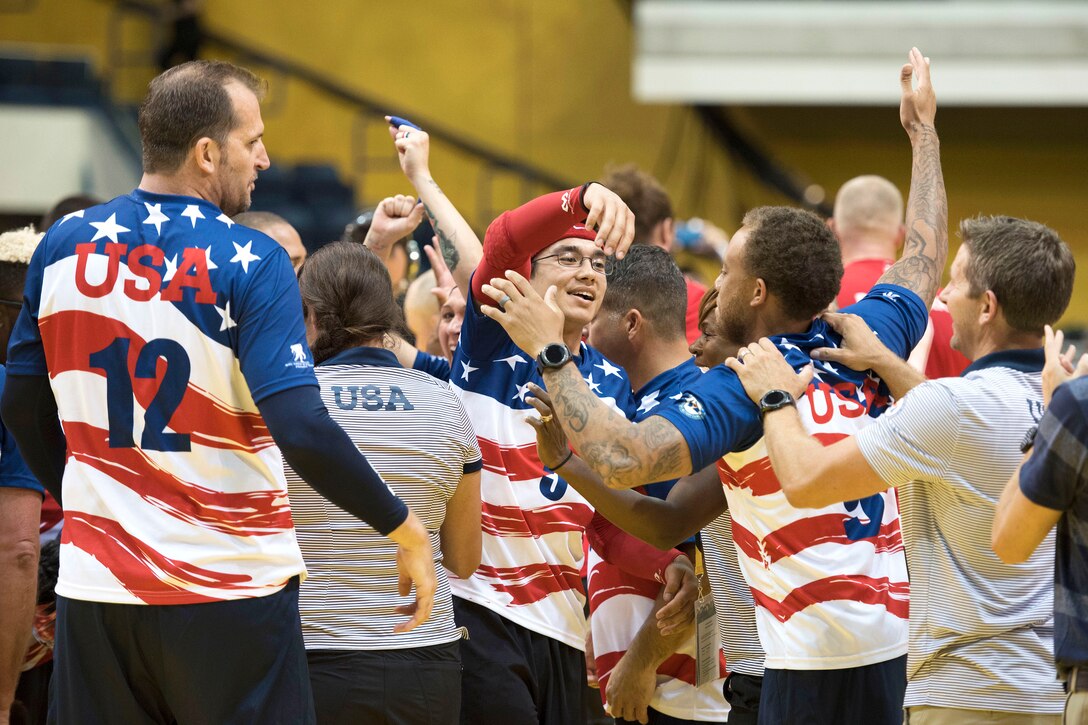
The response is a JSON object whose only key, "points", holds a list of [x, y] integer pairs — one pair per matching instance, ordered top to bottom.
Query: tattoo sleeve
{"points": [[448, 241], [926, 247], [625, 454]]}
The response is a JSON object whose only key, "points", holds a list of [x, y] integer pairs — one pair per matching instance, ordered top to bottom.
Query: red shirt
{"points": [[943, 362]]}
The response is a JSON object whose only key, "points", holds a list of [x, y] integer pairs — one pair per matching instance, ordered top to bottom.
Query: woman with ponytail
{"points": [[416, 434]]}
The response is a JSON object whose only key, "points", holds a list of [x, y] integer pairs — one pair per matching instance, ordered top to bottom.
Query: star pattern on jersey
{"points": [[192, 213], [74, 215], [155, 216], [226, 220], [109, 228], [208, 255], [243, 255], [171, 268], [227, 321], [787, 345], [512, 361], [828, 366], [609, 368], [466, 370], [595, 387], [523, 390], [676, 397], [648, 402]]}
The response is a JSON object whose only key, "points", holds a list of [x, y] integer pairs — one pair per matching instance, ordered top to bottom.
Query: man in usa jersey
{"points": [[157, 369]]}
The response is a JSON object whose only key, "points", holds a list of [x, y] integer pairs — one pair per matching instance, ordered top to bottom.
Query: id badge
{"points": [[707, 644]]}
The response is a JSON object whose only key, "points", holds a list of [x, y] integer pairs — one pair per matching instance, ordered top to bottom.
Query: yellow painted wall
{"points": [[549, 83]]}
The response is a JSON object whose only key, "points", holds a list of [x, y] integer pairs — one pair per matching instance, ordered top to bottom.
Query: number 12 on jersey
{"points": [[113, 361]]}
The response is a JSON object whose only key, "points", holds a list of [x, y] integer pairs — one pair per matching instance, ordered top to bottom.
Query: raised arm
{"points": [[395, 218], [515, 236], [926, 246], [460, 247]]}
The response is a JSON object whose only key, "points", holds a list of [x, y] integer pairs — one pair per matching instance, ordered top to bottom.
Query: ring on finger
{"points": [[503, 301], [742, 353], [545, 419]]}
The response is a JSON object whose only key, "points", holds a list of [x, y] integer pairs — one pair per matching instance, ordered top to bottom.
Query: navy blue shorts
{"points": [[240, 661], [514, 675], [411, 686], [872, 694]]}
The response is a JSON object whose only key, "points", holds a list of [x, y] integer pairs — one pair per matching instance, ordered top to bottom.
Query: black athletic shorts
{"points": [[240, 661], [511, 674], [413, 686], [872, 695]]}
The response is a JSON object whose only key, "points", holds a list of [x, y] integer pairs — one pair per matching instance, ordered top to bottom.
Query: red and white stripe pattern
{"points": [[532, 520], [146, 526], [823, 600], [620, 603]]}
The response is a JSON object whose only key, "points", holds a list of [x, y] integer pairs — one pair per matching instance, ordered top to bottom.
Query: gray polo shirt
{"points": [[981, 631]]}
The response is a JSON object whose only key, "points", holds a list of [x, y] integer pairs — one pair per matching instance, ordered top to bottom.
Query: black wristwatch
{"points": [[555, 355], [773, 400]]}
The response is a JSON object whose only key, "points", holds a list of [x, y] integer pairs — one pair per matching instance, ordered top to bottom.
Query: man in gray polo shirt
{"points": [[981, 631]]}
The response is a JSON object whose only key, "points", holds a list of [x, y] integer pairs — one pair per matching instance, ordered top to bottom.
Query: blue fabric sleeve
{"points": [[896, 314], [271, 335], [26, 356], [433, 365], [30, 414], [715, 416], [323, 455], [473, 466], [1058, 467], [13, 470]]}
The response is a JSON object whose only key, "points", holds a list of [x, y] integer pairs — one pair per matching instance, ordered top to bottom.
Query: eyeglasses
{"points": [[599, 263]]}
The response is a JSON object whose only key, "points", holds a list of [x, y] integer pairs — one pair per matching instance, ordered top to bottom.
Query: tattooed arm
{"points": [[459, 245], [926, 247], [625, 454]]}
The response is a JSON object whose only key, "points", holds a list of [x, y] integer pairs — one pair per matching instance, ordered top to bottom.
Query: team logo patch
{"points": [[299, 358], [691, 407]]}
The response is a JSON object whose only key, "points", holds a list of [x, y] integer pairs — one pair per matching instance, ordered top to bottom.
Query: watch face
{"points": [[554, 354], [774, 399]]}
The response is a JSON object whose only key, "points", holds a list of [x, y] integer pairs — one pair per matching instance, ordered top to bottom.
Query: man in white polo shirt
{"points": [[981, 631]]}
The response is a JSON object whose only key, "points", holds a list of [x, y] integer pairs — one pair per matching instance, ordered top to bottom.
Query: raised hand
{"points": [[918, 106], [413, 151], [610, 217], [395, 218], [443, 278], [530, 320], [1060, 366]]}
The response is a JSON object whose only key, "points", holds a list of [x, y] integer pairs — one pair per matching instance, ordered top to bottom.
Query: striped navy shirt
{"points": [[416, 434], [736, 610], [981, 631]]}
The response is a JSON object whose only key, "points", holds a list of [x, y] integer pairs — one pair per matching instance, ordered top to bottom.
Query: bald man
{"points": [[868, 223], [279, 229]]}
